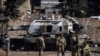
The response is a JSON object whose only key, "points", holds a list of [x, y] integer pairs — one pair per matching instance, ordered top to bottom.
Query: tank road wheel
{"points": [[26, 46]]}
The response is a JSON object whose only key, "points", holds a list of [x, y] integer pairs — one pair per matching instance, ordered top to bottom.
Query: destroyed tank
{"points": [[51, 24], [49, 28]]}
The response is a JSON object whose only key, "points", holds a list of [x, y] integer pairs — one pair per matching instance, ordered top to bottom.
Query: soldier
{"points": [[0, 40], [5, 43], [61, 43], [40, 44], [74, 45], [86, 49], [81, 51]]}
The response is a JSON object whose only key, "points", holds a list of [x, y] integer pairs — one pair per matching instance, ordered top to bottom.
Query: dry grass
{"points": [[93, 28]]}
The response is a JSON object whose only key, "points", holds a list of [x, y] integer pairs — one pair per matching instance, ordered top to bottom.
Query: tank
{"points": [[50, 29]]}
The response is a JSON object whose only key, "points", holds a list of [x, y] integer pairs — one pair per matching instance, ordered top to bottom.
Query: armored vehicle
{"points": [[49, 28]]}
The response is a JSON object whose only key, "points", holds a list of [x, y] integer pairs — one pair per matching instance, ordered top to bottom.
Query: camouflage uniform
{"points": [[61, 43], [40, 44], [74, 47], [86, 50]]}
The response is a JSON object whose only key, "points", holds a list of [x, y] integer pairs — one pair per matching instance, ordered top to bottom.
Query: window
{"points": [[49, 28], [60, 28]]}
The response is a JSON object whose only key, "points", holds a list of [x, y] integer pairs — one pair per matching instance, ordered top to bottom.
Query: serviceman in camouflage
{"points": [[5, 42], [40, 44], [61, 44], [74, 45], [86, 49]]}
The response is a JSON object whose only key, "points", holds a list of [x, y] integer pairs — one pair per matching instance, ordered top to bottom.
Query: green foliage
{"points": [[11, 8]]}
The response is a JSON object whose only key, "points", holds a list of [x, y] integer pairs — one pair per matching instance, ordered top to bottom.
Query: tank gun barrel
{"points": [[72, 19], [76, 25]]}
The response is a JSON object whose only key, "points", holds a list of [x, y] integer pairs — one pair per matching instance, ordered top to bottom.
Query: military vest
{"points": [[61, 41]]}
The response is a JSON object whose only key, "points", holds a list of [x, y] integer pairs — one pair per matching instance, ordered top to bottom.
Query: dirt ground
{"points": [[2, 53], [33, 53], [45, 53]]}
